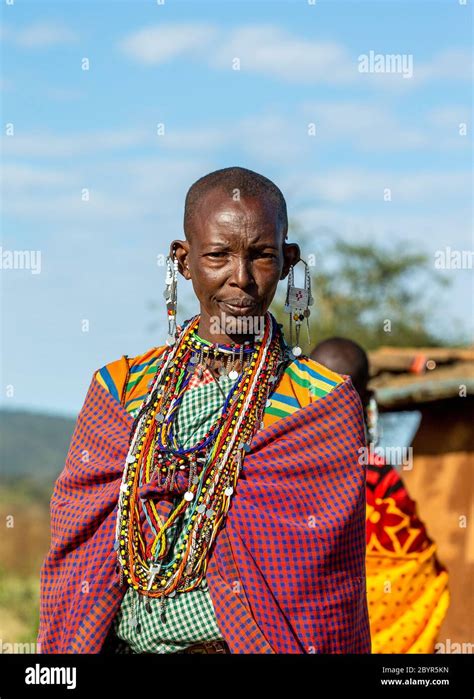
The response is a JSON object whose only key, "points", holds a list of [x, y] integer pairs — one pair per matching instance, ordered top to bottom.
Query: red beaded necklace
{"points": [[205, 476]]}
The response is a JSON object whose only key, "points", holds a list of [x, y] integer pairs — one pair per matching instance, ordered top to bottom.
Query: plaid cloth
{"points": [[286, 574], [190, 616]]}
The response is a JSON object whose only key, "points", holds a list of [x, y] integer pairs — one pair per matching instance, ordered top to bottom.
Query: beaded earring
{"points": [[171, 297], [297, 305]]}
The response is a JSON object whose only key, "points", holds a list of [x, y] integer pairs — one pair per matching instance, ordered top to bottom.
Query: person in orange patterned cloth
{"points": [[407, 587]]}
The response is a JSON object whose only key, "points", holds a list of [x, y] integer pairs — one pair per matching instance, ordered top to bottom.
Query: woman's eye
{"points": [[224, 254]]}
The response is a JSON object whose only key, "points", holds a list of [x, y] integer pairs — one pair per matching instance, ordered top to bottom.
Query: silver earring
{"points": [[171, 297], [297, 305], [372, 412]]}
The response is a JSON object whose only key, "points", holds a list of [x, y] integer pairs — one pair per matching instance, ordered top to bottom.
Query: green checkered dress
{"points": [[189, 616]]}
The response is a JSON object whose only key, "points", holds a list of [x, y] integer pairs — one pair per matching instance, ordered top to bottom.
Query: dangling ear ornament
{"points": [[171, 297], [297, 305]]}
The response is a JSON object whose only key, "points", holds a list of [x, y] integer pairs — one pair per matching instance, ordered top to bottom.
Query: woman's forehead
{"points": [[223, 215]]}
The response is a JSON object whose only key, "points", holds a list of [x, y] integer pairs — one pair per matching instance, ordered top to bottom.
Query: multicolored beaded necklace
{"points": [[202, 477]]}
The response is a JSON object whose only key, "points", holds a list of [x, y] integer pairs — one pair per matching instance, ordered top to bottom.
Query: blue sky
{"points": [[172, 64]]}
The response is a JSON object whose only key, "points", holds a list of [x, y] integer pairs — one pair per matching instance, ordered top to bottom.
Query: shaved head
{"points": [[237, 183], [344, 357]]}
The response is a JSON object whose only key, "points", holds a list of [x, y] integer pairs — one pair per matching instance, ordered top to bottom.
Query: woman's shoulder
{"points": [[313, 376], [127, 379], [304, 381]]}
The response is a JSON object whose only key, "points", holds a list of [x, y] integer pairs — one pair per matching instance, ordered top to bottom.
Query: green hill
{"points": [[33, 449]]}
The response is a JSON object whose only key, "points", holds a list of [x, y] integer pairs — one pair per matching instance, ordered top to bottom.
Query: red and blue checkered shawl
{"points": [[287, 571]]}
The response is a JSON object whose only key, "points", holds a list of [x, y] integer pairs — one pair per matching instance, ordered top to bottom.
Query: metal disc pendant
{"points": [[296, 351], [233, 374], [228, 491], [188, 495], [200, 509]]}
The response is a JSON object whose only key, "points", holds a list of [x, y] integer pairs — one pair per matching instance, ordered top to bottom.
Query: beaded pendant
{"points": [[297, 305], [203, 476]]}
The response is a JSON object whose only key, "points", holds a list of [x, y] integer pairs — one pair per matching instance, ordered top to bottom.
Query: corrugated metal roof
{"points": [[408, 375]]}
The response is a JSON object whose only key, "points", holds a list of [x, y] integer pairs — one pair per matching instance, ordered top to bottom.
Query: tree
{"points": [[373, 294]]}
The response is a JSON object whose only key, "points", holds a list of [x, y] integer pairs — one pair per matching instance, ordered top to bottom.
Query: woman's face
{"points": [[235, 257]]}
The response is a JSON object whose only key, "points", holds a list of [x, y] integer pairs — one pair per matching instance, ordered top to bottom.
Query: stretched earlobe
{"points": [[179, 250], [292, 255]]}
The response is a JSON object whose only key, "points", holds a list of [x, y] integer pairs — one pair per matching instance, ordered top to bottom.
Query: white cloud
{"points": [[40, 35], [158, 44], [271, 51], [449, 64], [64, 94], [450, 116], [367, 126], [268, 136], [194, 138], [272, 138], [47, 144], [16, 177], [367, 187], [136, 193], [426, 231]]}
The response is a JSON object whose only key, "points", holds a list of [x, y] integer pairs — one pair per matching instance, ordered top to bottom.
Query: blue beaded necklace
{"points": [[196, 359]]}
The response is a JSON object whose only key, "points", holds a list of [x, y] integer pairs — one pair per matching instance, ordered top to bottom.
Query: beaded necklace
{"points": [[202, 477]]}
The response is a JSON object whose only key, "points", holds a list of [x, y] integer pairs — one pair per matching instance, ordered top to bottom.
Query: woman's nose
{"points": [[241, 272]]}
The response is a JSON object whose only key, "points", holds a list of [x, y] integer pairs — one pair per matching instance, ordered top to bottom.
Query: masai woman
{"points": [[213, 499]]}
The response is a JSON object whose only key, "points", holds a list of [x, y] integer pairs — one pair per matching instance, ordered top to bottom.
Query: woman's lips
{"points": [[238, 310]]}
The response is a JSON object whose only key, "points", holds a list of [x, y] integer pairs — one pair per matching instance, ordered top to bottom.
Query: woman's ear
{"points": [[179, 249], [291, 255]]}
